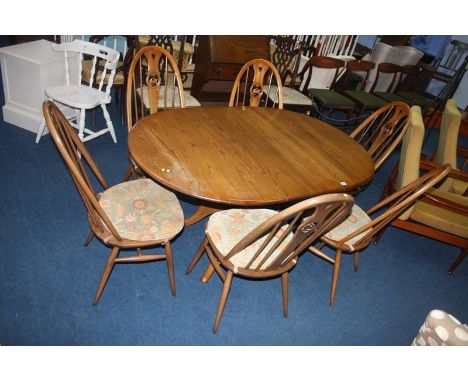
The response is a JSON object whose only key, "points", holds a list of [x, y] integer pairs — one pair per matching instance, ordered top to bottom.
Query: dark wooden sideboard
{"points": [[218, 59]]}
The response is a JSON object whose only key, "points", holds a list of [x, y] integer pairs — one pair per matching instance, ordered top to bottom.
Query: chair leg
{"points": [[81, 124], [109, 124], [41, 130], [128, 174], [89, 238], [197, 256], [458, 260], [356, 261], [170, 267], [336, 272], [105, 275], [284, 287], [222, 300]]}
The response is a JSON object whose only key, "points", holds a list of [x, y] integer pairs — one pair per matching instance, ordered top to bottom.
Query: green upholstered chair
{"points": [[388, 94], [413, 98], [363, 100], [440, 215]]}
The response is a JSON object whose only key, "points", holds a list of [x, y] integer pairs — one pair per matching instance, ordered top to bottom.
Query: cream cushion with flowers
{"points": [[143, 210], [227, 228]]}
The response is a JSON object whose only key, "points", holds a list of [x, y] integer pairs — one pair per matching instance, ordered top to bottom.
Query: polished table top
{"points": [[247, 156]]}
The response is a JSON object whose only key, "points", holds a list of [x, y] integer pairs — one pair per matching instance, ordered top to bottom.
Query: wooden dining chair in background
{"points": [[154, 83], [258, 83], [79, 93], [383, 130], [130, 215], [359, 229], [262, 243]]}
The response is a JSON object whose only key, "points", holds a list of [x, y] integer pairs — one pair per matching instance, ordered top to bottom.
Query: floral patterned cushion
{"points": [[190, 101], [143, 210], [356, 219], [227, 228], [441, 328]]}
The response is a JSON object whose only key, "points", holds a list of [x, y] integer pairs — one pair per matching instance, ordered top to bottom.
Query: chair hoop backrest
{"points": [[104, 60], [154, 83], [249, 85], [383, 130], [73, 150], [396, 204], [307, 220]]}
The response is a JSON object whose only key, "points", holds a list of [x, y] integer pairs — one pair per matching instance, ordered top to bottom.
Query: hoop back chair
{"points": [[249, 85], [82, 97], [383, 130], [130, 215], [440, 215], [358, 230], [262, 243]]}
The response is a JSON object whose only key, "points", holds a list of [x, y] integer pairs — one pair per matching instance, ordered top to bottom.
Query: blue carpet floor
{"points": [[48, 278]]}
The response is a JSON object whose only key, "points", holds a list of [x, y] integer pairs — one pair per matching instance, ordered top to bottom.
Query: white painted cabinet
{"points": [[26, 70]]}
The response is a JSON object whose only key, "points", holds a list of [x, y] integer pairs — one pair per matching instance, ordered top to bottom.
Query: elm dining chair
{"points": [[250, 89], [383, 130], [130, 215], [358, 230], [262, 243]]}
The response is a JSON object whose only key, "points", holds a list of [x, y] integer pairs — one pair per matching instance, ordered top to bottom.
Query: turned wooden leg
{"points": [[199, 214], [89, 238], [197, 256], [458, 260], [356, 261], [170, 267], [209, 271], [336, 272], [105, 275], [284, 287], [222, 300]]}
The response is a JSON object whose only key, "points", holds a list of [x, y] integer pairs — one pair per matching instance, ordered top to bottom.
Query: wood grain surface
{"points": [[247, 156]]}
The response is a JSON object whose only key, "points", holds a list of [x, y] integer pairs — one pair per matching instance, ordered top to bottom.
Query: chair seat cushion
{"points": [[87, 65], [78, 96], [291, 96], [391, 97], [330, 98], [415, 99], [190, 101], [369, 101], [458, 187], [143, 210], [441, 218], [355, 220], [227, 228]]}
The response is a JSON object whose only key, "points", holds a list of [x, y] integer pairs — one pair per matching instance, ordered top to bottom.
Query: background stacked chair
{"points": [[395, 73], [82, 97]]}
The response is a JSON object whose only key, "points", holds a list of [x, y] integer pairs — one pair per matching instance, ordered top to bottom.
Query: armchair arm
{"points": [[454, 174]]}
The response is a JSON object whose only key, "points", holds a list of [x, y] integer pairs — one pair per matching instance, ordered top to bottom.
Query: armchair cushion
{"points": [[142, 210], [441, 218], [356, 219], [441, 328]]}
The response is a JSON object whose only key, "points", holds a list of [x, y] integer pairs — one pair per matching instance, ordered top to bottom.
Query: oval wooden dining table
{"points": [[229, 156]]}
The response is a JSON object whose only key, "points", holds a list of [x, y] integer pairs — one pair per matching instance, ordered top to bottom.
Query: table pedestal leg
{"points": [[199, 214], [208, 273]]}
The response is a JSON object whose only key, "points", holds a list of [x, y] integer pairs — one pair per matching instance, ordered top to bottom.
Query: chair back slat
{"points": [[252, 77], [154, 83], [383, 130], [73, 152], [396, 204], [292, 230]]}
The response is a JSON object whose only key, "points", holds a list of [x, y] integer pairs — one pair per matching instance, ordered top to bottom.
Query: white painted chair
{"points": [[82, 97]]}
